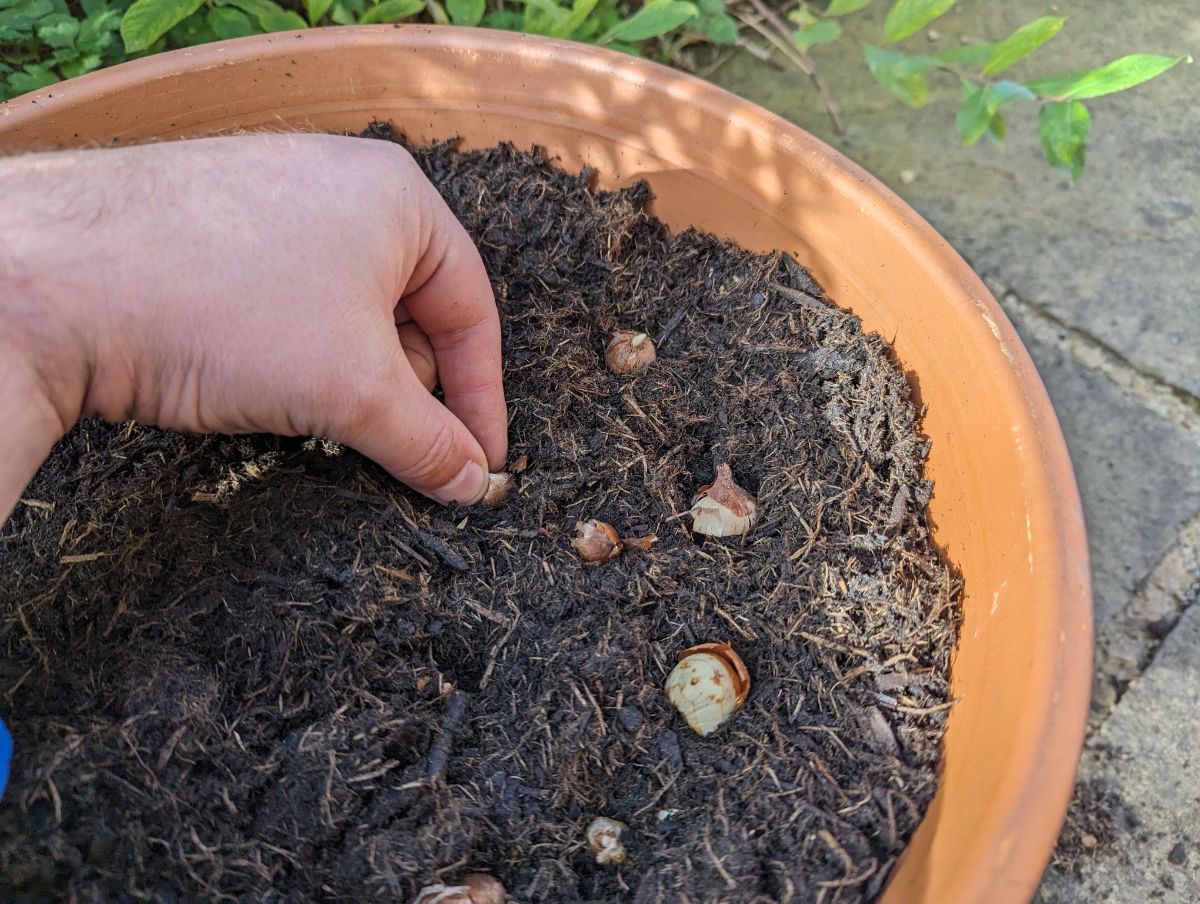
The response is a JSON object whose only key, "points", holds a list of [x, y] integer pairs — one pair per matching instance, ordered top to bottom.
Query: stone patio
{"points": [[1097, 279]]}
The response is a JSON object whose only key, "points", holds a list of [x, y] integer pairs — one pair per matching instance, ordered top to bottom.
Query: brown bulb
{"points": [[630, 353], [499, 486], [723, 509], [596, 541], [477, 888]]}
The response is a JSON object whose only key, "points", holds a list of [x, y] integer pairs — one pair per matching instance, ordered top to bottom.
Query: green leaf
{"points": [[845, 7], [31, 9], [316, 10], [580, 10], [391, 11], [438, 12], [465, 12], [342, 14], [269, 15], [909, 16], [545, 17], [802, 17], [504, 19], [148, 20], [651, 21], [227, 22], [16, 25], [721, 29], [58, 30], [191, 31], [96, 32], [823, 32], [1022, 42], [967, 55], [81, 65], [899, 74], [1118, 75], [33, 78], [980, 104], [973, 117], [1064, 128], [997, 129]]}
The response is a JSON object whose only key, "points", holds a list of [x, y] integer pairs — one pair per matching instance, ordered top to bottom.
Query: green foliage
{"points": [[845, 7], [315, 10], [390, 11], [465, 12], [907, 17], [148, 20], [651, 21], [714, 22], [824, 31], [42, 41], [1022, 42], [901, 75], [1118, 75], [980, 107], [1063, 123], [1064, 127]]}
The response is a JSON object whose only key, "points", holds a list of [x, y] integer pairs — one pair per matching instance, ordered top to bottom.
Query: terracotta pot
{"points": [[1006, 508]]}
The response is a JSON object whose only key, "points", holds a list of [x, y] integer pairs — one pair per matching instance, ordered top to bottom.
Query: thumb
{"points": [[420, 442]]}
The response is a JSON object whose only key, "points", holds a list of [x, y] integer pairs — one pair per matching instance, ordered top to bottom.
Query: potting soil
{"points": [[259, 669]]}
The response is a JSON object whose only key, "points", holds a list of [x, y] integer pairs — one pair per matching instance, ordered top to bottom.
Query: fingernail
{"points": [[467, 487]]}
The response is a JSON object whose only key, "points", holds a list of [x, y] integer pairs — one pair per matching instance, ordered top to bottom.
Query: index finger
{"points": [[451, 300]]}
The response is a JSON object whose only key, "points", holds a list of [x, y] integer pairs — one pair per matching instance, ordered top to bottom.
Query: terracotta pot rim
{"points": [[1041, 783]]}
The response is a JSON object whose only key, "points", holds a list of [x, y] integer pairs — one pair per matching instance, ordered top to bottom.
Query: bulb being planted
{"points": [[630, 353], [500, 484], [722, 508], [708, 685], [477, 888]]}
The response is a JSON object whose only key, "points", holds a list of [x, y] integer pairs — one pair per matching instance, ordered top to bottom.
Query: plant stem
{"points": [[782, 39]]}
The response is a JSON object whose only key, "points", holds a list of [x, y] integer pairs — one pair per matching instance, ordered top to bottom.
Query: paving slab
{"points": [[1113, 256], [1138, 474], [1147, 754]]}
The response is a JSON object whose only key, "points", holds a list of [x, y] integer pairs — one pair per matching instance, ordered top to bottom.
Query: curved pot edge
{"points": [[1068, 690]]}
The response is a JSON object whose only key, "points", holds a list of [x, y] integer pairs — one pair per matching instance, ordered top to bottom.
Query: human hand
{"points": [[295, 284]]}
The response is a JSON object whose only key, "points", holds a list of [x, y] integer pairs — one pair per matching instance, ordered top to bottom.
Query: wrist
{"points": [[48, 307], [30, 423]]}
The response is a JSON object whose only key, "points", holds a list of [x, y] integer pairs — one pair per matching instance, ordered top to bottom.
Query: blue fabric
{"points": [[5, 755]]}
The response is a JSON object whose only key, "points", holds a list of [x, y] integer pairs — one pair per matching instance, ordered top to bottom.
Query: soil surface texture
{"points": [[258, 669]]}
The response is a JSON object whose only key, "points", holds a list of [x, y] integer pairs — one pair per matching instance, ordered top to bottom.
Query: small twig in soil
{"points": [[802, 298], [676, 319], [899, 507], [429, 543], [437, 547], [409, 551], [891, 703], [439, 753], [164, 755], [730, 882]]}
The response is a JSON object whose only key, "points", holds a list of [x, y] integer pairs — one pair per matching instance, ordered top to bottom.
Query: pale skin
{"points": [[291, 284]]}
